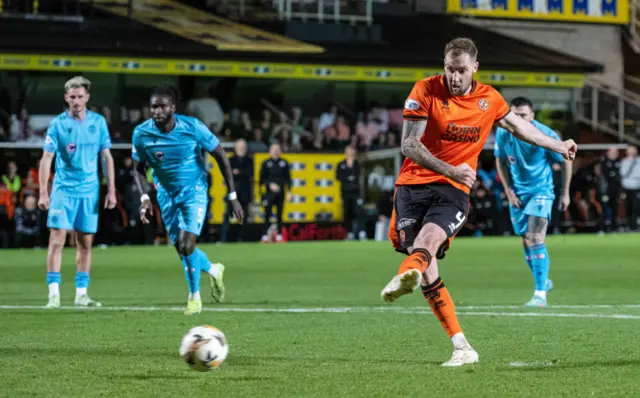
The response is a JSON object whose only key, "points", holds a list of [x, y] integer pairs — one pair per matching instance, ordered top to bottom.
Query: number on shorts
{"points": [[200, 214], [461, 218]]}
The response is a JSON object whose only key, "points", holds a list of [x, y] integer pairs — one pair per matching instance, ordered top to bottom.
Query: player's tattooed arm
{"points": [[415, 150]]}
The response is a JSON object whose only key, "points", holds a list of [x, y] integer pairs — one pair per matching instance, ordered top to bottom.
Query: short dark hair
{"points": [[461, 45], [167, 90], [522, 101]]}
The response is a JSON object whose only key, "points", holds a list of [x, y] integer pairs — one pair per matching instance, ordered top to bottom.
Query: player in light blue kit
{"points": [[76, 138], [172, 145], [527, 177]]}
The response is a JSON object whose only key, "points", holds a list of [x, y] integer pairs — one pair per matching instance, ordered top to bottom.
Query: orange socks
{"points": [[419, 259], [442, 306]]}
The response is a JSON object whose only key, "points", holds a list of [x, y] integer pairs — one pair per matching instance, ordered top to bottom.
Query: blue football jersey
{"points": [[77, 145], [175, 157], [529, 165]]}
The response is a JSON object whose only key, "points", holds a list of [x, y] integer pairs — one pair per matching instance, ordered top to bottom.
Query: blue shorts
{"points": [[537, 205], [185, 212], [73, 213]]}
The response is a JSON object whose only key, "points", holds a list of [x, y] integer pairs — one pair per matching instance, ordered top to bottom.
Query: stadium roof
{"points": [[413, 42]]}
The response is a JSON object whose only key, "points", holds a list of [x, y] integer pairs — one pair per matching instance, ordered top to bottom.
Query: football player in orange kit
{"points": [[447, 119]]}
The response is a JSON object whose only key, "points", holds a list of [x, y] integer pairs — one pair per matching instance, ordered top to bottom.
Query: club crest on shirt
{"points": [[483, 104], [92, 129], [71, 148], [159, 155]]}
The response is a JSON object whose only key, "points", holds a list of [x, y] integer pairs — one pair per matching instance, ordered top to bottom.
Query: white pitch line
{"points": [[560, 306], [417, 310], [530, 364]]}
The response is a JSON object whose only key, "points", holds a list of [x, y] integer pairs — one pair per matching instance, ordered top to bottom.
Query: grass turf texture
{"points": [[374, 350]]}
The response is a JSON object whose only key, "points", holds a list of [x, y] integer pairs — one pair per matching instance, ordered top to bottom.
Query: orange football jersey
{"points": [[457, 126]]}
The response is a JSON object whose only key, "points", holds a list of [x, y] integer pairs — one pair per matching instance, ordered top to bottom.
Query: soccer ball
{"points": [[204, 348]]}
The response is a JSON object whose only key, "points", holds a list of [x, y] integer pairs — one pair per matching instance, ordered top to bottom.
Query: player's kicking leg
{"points": [[538, 259], [420, 268]]}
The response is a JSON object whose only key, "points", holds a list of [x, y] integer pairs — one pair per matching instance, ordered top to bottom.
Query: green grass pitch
{"points": [[306, 319]]}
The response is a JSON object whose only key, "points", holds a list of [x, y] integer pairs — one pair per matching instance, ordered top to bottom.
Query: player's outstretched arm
{"points": [[529, 133], [415, 150], [225, 167], [109, 168], [44, 173]]}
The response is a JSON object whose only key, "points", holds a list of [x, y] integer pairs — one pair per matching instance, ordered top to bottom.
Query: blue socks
{"points": [[528, 257], [194, 264], [540, 266], [53, 277], [82, 280]]}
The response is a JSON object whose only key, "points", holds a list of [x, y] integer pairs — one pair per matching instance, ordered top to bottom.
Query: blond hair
{"points": [[461, 45], [77, 82]]}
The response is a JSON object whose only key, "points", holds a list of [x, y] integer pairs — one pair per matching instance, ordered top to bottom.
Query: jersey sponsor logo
{"points": [[483, 104], [411, 105], [92, 129], [463, 134], [71, 148], [159, 155], [405, 222]]}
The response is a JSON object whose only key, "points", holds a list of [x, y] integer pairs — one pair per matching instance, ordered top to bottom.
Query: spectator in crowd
{"points": [[207, 108], [380, 117], [328, 118], [266, 126], [23, 128], [245, 130], [366, 131], [338, 135], [300, 136], [257, 144], [242, 167], [348, 173], [608, 173], [630, 173], [275, 177], [12, 180], [29, 188], [482, 208], [6, 214], [27, 219]]}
